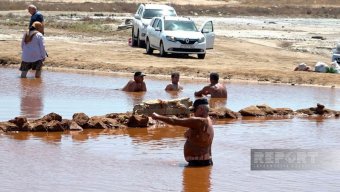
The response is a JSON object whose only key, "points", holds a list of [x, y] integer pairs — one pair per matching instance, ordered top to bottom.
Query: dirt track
{"points": [[234, 58]]}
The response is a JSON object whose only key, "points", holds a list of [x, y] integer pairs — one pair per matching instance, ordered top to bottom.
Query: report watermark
{"points": [[293, 159]]}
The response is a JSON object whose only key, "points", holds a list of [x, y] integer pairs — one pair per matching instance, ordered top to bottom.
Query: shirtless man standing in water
{"points": [[137, 84], [174, 86], [215, 89], [197, 148]]}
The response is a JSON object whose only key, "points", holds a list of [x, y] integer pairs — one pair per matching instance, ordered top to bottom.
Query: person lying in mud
{"points": [[33, 50], [137, 84], [174, 85], [215, 89], [197, 148]]}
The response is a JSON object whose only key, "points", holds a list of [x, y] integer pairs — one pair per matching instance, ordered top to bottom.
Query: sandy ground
{"points": [[248, 49]]}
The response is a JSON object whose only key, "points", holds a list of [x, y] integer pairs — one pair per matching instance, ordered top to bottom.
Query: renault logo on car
{"points": [[187, 40]]}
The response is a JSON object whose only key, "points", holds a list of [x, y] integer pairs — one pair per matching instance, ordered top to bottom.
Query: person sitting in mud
{"points": [[33, 50], [303, 67], [137, 84], [174, 85], [215, 89], [197, 148]]}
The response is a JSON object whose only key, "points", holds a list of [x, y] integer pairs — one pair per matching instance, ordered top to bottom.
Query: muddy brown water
{"points": [[151, 159]]}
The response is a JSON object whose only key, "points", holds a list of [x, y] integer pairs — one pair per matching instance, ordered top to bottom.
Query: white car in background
{"points": [[142, 18], [179, 35]]}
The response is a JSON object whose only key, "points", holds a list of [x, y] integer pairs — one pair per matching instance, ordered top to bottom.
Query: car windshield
{"points": [[151, 13], [180, 26]]}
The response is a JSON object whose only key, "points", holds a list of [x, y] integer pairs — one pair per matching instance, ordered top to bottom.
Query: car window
{"points": [[140, 10], [151, 13], [155, 23], [159, 25], [179, 26], [208, 27]]}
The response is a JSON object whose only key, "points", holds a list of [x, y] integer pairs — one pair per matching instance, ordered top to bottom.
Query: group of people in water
{"points": [[200, 133]]}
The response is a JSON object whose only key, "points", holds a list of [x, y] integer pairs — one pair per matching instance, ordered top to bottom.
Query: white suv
{"points": [[142, 18], [179, 35]]}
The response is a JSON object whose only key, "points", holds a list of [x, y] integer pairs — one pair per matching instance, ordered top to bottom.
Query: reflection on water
{"points": [[135, 97], [31, 100], [217, 102], [151, 159], [191, 176]]}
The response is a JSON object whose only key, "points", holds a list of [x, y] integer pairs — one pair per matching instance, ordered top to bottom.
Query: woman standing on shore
{"points": [[33, 50]]}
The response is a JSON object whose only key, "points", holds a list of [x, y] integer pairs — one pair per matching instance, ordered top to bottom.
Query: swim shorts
{"points": [[25, 66], [200, 163]]}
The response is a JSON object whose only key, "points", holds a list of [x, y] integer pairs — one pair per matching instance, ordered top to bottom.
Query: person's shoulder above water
{"points": [[137, 84], [174, 85], [215, 89]]}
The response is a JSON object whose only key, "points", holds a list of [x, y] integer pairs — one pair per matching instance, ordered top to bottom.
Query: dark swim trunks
{"points": [[25, 66], [200, 163]]}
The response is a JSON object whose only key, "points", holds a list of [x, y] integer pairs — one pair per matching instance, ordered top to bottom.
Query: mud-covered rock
{"points": [[164, 107], [266, 109], [318, 110], [252, 111], [283, 111], [307, 111], [222, 113], [52, 116], [80, 118], [121, 118], [19, 121], [138, 121], [95, 122], [66, 124], [8, 126], [38, 126], [54, 126], [74, 126]]}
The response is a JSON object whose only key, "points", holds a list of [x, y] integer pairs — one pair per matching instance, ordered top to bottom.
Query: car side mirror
{"points": [[137, 16], [158, 29]]}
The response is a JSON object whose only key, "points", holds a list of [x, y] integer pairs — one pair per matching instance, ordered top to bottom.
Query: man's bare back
{"points": [[215, 89]]}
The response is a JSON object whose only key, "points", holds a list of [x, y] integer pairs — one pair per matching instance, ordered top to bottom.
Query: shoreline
{"points": [[166, 77]]}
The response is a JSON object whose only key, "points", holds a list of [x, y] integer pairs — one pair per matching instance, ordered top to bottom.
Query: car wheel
{"points": [[133, 39], [139, 42], [149, 50], [162, 53], [201, 56]]}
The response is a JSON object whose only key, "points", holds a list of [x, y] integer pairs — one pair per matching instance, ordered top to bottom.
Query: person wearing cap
{"points": [[35, 16], [33, 50], [137, 84], [174, 85], [215, 89], [199, 136]]}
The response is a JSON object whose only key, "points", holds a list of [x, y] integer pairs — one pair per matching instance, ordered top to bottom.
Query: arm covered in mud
{"points": [[192, 122]]}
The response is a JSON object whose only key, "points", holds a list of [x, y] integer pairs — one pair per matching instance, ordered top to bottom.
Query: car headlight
{"points": [[171, 38], [201, 40]]}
